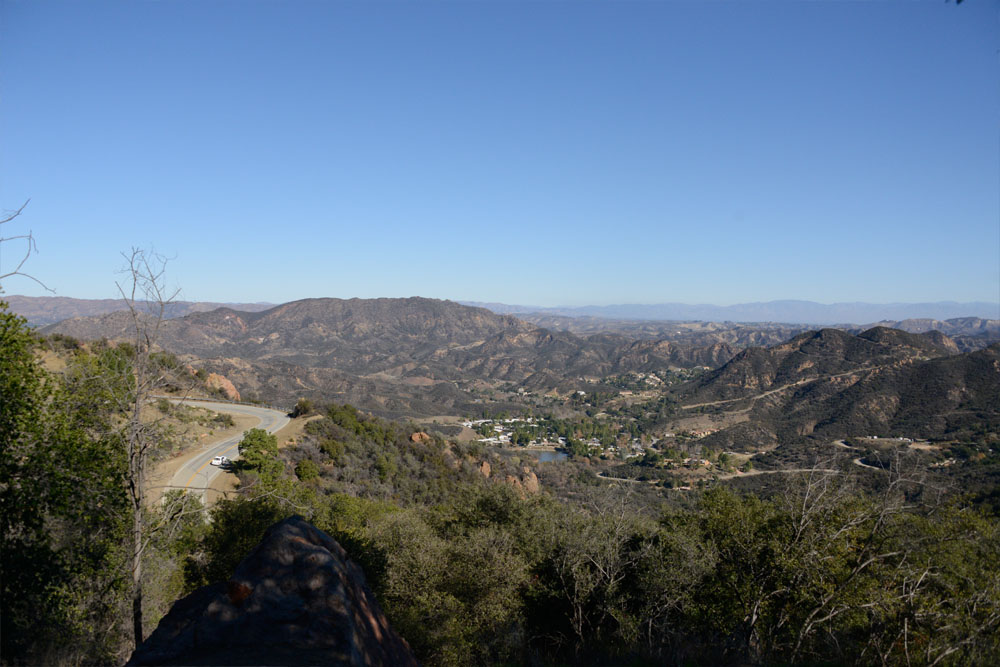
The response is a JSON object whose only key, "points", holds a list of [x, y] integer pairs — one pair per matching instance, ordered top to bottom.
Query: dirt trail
{"points": [[769, 392], [752, 399], [859, 462], [751, 473], [731, 475]]}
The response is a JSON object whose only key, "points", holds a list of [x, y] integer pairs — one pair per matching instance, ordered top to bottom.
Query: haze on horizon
{"points": [[530, 153]]}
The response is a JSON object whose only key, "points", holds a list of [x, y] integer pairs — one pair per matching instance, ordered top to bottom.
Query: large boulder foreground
{"points": [[295, 600]]}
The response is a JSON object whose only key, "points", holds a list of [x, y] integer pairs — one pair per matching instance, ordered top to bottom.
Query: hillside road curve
{"points": [[197, 473]]}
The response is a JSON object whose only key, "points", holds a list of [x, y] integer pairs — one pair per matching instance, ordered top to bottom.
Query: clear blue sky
{"points": [[550, 153]]}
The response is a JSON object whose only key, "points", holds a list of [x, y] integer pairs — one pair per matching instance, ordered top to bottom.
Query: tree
{"points": [[138, 378], [125, 380], [303, 407], [259, 450], [306, 470], [23, 499], [62, 509]]}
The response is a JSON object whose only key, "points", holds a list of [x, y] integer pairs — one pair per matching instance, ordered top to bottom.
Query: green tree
{"points": [[302, 408], [577, 448], [259, 451], [652, 458], [306, 470], [62, 510], [237, 526], [26, 552]]}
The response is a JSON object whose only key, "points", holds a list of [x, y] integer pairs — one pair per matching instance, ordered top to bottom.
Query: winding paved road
{"points": [[197, 473]]}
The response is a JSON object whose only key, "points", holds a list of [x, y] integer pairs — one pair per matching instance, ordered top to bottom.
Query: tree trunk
{"points": [[146, 302], [137, 535], [137, 615]]}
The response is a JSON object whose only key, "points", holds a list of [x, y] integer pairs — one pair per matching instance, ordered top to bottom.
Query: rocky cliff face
{"points": [[223, 384], [297, 599]]}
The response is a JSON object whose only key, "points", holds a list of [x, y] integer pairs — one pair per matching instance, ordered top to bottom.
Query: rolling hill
{"points": [[393, 356], [833, 384]]}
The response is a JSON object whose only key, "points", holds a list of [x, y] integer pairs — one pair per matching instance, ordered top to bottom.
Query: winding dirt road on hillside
{"points": [[797, 383], [196, 474]]}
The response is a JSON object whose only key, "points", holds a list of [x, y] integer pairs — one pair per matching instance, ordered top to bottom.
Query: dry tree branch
{"points": [[30, 247]]}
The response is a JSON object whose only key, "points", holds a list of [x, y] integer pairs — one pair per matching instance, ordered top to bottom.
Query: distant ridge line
{"points": [[43, 310], [785, 311]]}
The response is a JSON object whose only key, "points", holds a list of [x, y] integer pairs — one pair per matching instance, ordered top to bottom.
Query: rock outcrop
{"points": [[222, 383], [530, 481], [527, 484], [297, 599]]}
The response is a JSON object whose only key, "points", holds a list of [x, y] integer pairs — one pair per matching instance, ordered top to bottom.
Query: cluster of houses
{"points": [[503, 429], [499, 432]]}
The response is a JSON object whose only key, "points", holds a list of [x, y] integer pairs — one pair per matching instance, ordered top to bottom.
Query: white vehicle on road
{"points": [[195, 473]]}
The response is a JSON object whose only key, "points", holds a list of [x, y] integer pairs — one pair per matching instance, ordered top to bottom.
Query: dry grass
{"points": [[291, 433]]}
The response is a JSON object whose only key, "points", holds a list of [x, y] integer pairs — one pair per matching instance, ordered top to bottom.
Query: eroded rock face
{"points": [[222, 383], [530, 481], [527, 484], [295, 600]]}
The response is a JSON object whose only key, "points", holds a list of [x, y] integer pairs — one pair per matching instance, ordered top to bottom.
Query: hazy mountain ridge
{"points": [[43, 310], [784, 311], [945, 315], [969, 333]]}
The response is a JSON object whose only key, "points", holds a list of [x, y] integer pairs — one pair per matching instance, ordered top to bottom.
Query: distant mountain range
{"points": [[42, 310], [789, 311], [968, 333], [396, 357], [422, 357]]}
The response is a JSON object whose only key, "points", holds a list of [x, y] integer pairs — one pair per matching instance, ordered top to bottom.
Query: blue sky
{"points": [[551, 153]]}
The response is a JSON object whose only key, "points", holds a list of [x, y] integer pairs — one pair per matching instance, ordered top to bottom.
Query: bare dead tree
{"points": [[29, 248], [146, 299]]}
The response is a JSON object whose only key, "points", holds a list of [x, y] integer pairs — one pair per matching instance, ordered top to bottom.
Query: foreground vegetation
{"points": [[472, 567]]}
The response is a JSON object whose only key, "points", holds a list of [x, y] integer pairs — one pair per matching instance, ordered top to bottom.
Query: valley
{"points": [[273, 392], [671, 402], [488, 473]]}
